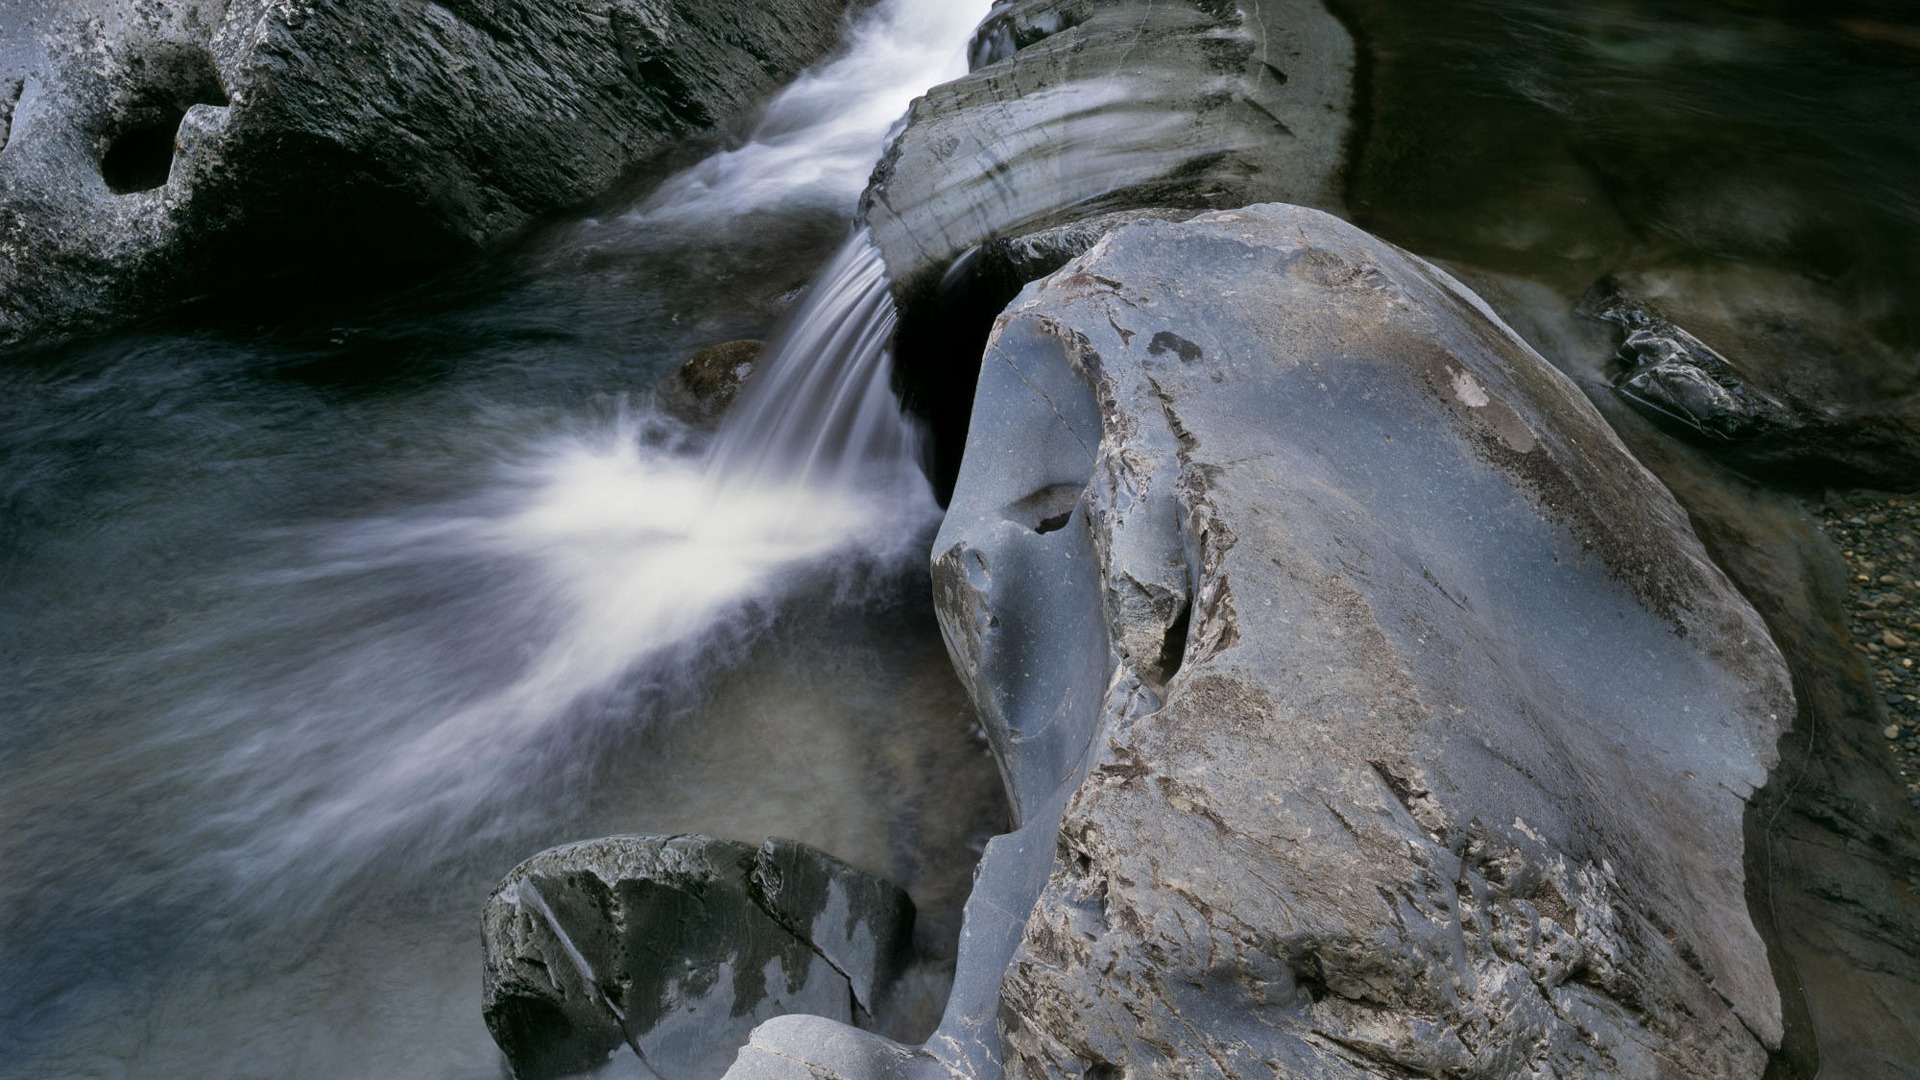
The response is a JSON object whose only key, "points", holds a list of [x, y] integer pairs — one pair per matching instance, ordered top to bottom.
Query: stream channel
{"points": [[320, 615], [319, 625]]}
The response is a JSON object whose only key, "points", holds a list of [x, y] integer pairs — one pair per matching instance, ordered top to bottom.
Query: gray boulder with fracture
{"points": [[1367, 709]]}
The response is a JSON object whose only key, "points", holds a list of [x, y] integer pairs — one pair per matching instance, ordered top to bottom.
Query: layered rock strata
{"points": [[1076, 109], [150, 145], [1367, 709]]}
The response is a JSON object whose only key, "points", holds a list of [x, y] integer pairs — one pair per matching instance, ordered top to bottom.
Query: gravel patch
{"points": [[1880, 539]]}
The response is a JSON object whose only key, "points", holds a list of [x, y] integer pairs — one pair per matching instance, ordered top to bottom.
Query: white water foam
{"points": [[818, 139], [532, 623], [495, 642]]}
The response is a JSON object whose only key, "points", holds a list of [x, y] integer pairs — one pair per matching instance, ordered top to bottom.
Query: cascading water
{"points": [[821, 413], [639, 557], [311, 662]]}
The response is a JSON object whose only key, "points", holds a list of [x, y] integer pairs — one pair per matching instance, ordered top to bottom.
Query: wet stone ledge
{"points": [[1879, 536]]}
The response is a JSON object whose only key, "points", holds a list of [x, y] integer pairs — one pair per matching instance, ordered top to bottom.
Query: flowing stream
{"points": [[316, 621], [319, 628]]}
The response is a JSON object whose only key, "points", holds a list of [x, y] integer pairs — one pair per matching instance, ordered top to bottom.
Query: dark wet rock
{"points": [[1077, 110], [155, 146], [1679, 378], [703, 387], [1778, 418], [1373, 713], [677, 946]]}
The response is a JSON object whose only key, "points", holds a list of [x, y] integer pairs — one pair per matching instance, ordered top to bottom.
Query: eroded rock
{"points": [[1075, 110], [151, 146], [1372, 714], [675, 947]]}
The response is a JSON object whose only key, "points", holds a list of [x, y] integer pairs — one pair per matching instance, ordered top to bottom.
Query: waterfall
{"points": [[819, 411], [604, 567]]}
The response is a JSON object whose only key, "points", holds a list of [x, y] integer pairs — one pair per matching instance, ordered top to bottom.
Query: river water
{"points": [[317, 621], [316, 628]]}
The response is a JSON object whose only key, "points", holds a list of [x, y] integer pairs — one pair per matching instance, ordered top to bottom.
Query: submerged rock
{"points": [[152, 146], [1678, 377], [703, 387], [1783, 418], [1368, 710], [677, 946]]}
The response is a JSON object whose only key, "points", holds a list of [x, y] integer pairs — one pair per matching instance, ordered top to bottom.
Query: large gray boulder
{"points": [[149, 145], [1368, 710], [677, 946]]}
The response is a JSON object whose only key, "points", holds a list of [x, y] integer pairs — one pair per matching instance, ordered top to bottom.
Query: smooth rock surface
{"points": [[1077, 109], [153, 146], [1371, 713], [1833, 849], [679, 946]]}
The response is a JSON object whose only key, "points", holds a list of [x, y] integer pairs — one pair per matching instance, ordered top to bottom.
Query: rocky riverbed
{"points": [[1879, 536]]}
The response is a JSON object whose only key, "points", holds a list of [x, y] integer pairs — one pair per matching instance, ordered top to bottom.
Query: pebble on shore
{"points": [[1879, 537]]}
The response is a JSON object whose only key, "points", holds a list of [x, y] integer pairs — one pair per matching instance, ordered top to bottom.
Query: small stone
{"points": [[1889, 579], [1892, 640], [1891, 731]]}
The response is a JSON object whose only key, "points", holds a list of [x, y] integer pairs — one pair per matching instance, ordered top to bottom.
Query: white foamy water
{"points": [[818, 140], [604, 571], [498, 640], [321, 654]]}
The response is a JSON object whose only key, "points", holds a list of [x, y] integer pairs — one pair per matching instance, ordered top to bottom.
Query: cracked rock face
{"points": [[148, 147], [1369, 711], [679, 946]]}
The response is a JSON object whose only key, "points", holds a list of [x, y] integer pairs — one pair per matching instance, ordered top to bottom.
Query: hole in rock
{"points": [[9, 100], [139, 150], [141, 159], [1047, 510], [1173, 650]]}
